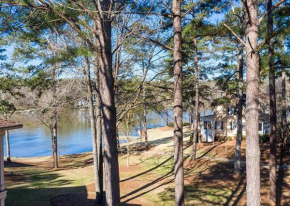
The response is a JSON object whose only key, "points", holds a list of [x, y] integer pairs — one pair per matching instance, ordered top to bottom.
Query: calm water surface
{"points": [[74, 134]]}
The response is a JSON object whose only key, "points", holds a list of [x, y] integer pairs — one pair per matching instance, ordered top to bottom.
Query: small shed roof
{"points": [[9, 124]]}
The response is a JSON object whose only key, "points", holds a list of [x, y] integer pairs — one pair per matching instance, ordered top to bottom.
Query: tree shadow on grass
{"points": [[139, 147], [206, 152], [76, 160], [15, 164], [155, 167], [197, 168], [147, 171], [163, 180], [210, 184], [217, 184], [37, 186], [283, 186], [40, 187], [145, 188], [37, 192], [55, 196], [78, 200]]}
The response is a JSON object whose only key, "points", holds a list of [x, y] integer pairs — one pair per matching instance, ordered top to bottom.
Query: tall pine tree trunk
{"points": [[104, 55], [240, 66], [177, 95], [284, 109], [252, 110], [166, 115], [273, 117], [192, 118], [54, 119], [196, 121], [144, 125], [99, 126], [94, 132], [128, 139], [8, 146]]}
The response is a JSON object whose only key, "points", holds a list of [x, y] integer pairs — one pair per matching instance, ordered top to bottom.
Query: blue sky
{"points": [[215, 18]]}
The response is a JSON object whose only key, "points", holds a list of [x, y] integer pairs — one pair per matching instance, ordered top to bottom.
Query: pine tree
{"points": [[177, 97], [252, 110], [273, 117]]}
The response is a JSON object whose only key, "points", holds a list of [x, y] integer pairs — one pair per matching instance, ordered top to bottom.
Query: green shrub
{"points": [[186, 124], [191, 137], [243, 137], [220, 138], [229, 138], [264, 138]]}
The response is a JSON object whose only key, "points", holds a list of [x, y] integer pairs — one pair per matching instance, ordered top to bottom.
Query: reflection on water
{"points": [[74, 134]]}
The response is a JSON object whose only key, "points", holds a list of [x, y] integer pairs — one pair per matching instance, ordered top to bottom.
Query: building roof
{"points": [[9, 124]]}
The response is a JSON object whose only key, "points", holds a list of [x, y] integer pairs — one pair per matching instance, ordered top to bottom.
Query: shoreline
{"points": [[154, 134]]}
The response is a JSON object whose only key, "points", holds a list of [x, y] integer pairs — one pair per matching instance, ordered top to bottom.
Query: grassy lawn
{"points": [[149, 179], [36, 184]]}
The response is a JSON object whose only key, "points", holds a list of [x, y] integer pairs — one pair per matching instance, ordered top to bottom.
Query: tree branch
{"points": [[273, 7], [248, 11], [270, 36], [152, 40], [240, 40]]}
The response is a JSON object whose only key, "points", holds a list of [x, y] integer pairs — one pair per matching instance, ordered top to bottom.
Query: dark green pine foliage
{"points": [[226, 51], [281, 58]]}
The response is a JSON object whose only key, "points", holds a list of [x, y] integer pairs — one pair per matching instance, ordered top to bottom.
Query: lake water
{"points": [[74, 134]]}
